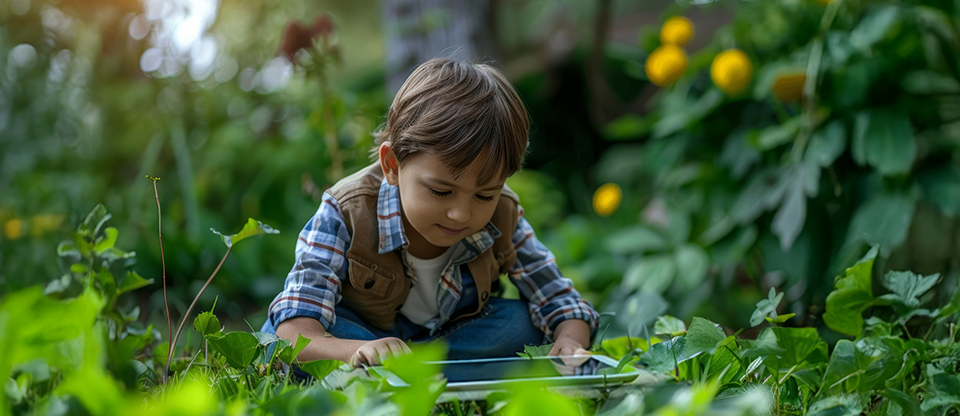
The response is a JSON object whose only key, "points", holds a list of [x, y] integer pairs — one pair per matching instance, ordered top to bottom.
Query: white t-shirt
{"points": [[421, 304]]}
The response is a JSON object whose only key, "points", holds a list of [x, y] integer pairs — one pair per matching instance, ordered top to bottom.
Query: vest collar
{"points": [[392, 235]]}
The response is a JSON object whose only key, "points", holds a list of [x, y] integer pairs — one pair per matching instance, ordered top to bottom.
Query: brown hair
{"points": [[459, 112]]}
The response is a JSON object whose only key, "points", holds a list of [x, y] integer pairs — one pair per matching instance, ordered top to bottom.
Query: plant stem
{"points": [[163, 264], [186, 315]]}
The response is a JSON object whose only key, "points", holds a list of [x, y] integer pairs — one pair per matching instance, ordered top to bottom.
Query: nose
{"points": [[459, 213]]}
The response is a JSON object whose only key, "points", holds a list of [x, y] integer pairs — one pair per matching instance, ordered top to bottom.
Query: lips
{"points": [[450, 231]]}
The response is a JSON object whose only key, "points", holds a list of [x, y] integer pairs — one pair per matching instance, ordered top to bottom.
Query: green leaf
{"points": [[874, 27], [778, 135], [884, 140], [827, 144], [737, 155], [764, 191], [95, 220], [883, 220], [788, 222], [252, 229], [637, 239], [106, 241], [692, 266], [652, 274], [132, 281], [908, 287], [852, 295], [766, 307], [640, 310], [781, 318], [207, 324], [669, 325], [702, 336], [265, 338], [800, 345], [764, 346], [619, 347], [239, 348], [533, 351], [287, 355], [725, 355], [664, 357], [320, 369], [424, 379], [943, 389], [845, 405], [909, 405]]}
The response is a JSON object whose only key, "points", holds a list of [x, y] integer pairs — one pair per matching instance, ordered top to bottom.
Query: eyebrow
{"points": [[455, 186]]}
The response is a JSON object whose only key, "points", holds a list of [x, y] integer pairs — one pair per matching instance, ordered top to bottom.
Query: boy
{"points": [[412, 246]]}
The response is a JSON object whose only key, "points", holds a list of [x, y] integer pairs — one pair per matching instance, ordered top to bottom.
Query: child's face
{"points": [[437, 210]]}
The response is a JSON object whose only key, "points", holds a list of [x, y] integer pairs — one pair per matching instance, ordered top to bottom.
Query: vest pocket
{"points": [[367, 281]]}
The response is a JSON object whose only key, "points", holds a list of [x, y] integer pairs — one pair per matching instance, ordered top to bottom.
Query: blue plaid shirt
{"points": [[312, 287]]}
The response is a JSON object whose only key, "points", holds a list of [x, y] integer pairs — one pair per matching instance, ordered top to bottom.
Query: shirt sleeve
{"points": [[312, 287], [552, 297]]}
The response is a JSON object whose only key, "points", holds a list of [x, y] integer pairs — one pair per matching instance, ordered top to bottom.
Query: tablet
{"points": [[494, 373]]}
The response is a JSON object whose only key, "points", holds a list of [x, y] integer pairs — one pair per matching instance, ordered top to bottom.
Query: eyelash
{"points": [[445, 193]]}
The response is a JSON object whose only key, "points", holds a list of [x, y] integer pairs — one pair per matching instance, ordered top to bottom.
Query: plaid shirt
{"points": [[312, 287]]}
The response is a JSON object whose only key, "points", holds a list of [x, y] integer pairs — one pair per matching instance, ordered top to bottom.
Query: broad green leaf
{"points": [[874, 27], [929, 82], [778, 135], [884, 140], [827, 143], [737, 155], [883, 220], [788, 222], [252, 229], [637, 239], [106, 241], [692, 266], [652, 273], [132, 281], [907, 287], [852, 295], [766, 307], [207, 323], [670, 326], [702, 336], [265, 338], [800, 345], [764, 346], [619, 347], [239, 348], [533, 351], [160, 353], [287, 355], [664, 357], [725, 358], [863, 366], [319, 369], [424, 379], [943, 389], [193, 398], [530, 400], [845, 405], [909, 405]]}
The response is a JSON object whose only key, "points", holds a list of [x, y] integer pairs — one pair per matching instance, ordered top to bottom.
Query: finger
{"points": [[394, 347], [405, 347]]}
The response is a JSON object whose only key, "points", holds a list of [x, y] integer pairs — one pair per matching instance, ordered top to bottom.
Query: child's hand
{"points": [[376, 351], [573, 353]]}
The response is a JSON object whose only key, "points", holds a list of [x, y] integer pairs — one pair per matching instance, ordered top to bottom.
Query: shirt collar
{"points": [[392, 235]]}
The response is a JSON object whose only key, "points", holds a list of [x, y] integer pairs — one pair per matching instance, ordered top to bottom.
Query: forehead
{"points": [[430, 166]]}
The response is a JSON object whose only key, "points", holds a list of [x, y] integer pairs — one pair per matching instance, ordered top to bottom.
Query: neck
{"points": [[419, 246]]}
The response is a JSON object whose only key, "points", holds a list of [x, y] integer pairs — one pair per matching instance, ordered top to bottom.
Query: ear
{"points": [[389, 164]]}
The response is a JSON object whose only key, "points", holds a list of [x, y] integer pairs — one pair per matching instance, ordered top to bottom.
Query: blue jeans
{"points": [[501, 329]]}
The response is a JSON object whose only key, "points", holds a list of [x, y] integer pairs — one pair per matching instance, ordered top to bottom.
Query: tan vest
{"points": [[378, 285]]}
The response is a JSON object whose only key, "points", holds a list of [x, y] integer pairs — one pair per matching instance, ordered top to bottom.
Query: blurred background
{"points": [[251, 108]]}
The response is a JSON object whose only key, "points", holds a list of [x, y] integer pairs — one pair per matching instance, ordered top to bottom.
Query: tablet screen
{"points": [[492, 369]]}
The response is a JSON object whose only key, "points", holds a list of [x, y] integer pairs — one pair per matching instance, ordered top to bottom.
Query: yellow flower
{"points": [[677, 30], [666, 64], [731, 71], [789, 87], [606, 199], [13, 229]]}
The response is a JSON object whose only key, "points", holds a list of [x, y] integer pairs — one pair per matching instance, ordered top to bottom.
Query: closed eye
{"points": [[438, 193], [485, 198]]}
